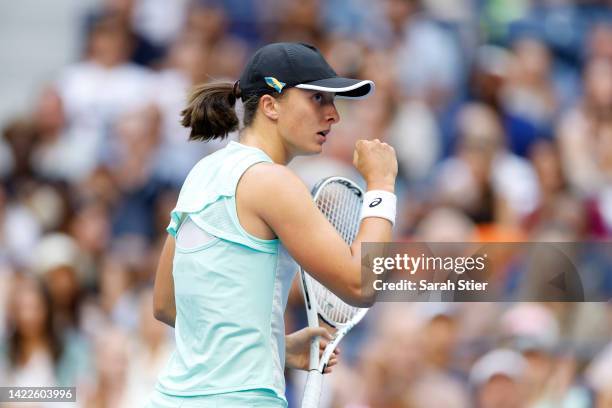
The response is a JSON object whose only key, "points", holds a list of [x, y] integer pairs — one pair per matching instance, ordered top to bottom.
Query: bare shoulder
{"points": [[272, 179], [273, 192]]}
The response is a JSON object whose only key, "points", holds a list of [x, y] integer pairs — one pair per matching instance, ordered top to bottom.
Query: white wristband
{"points": [[379, 203]]}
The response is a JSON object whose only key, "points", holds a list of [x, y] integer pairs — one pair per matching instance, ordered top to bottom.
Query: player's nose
{"points": [[331, 114]]}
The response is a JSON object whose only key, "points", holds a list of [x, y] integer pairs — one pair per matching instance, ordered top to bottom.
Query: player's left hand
{"points": [[297, 348]]}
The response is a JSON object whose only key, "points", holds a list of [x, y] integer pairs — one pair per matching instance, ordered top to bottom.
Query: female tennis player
{"points": [[242, 215]]}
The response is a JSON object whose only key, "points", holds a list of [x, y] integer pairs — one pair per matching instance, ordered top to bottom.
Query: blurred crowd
{"points": [[501, 115]]}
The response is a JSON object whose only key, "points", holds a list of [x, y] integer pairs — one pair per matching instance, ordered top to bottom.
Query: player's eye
{"points": [[318, 97]]}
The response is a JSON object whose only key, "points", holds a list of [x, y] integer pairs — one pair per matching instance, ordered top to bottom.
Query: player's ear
{"points": [[269, 106]]}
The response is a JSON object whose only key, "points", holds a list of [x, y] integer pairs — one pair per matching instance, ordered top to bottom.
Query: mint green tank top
{"points": [[230, 293]]}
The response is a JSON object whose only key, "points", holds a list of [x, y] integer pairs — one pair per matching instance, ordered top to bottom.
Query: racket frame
{"points": [[312, 311]]}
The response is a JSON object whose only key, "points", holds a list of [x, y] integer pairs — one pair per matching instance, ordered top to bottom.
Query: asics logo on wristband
{"points": [[374, 203], [379, 204]]}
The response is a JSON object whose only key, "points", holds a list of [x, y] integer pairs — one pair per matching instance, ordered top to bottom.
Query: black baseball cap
{"points": [[284, 65]]}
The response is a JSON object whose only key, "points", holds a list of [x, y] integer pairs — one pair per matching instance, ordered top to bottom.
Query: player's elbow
{"points": [[356, 291], [360, 296], [367, 299], [164, 313], [160, 314], [165, 317]]}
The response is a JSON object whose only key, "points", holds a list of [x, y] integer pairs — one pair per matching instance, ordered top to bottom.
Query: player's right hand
{"points": [[377, 163]]}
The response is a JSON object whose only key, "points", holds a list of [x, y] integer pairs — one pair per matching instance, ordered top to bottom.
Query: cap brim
{"points": [[342, 87]]}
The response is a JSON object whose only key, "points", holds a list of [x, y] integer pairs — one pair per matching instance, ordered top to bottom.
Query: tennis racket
{"points": [[340, 200]]}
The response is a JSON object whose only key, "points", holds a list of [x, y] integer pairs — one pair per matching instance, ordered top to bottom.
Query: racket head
{"points": [[340, 200]]}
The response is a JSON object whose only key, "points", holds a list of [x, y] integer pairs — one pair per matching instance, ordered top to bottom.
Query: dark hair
{"points": [[211, 113], [15, 337]]}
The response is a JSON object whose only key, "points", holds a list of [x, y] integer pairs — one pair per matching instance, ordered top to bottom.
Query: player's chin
{"points": [[318, 143], [312, 148], [316, 150]]}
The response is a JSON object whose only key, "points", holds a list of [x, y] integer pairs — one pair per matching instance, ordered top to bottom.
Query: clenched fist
{"points": [[377, 163]]}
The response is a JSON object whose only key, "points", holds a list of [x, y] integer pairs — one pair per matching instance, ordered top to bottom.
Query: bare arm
{"points": [[282, 200], [164, 307]]}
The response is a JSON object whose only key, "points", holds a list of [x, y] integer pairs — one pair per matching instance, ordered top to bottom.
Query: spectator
{"points": [[143, 51], [428, 61], [187, 64], [97, 90], [529, 100], [584, 132], [20, 138], [136, 141], [53, 156], [484, 172], [19, 229], [56, 261], [33, 347], [151, 351], [598, 377], [498, 379], [109, 386]]}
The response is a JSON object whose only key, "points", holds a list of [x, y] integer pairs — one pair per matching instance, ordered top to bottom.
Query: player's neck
{"points": [[266, 139]]}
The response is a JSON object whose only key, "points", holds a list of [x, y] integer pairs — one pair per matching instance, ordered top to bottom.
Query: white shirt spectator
{"points": [[160, 21], [94, 96], [512, 177], [19, 232], [38, 371]]}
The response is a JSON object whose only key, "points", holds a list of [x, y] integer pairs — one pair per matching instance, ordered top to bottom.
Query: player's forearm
{"points": [[372, 230], [164, 309]]}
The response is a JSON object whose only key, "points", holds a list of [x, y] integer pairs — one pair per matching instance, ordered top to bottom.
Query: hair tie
{"points": [[236, 90]]}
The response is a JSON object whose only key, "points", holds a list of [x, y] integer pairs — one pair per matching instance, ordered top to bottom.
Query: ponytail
{"points": [[210, 112]]}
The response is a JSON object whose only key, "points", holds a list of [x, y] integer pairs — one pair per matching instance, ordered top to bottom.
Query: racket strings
{"points": [[341, 205]]}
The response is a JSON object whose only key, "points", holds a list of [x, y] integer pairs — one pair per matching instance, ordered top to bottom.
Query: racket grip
{"points": [[312, 391]]}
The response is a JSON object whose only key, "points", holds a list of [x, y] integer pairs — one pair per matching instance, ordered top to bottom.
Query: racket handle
{"points": [[312, 391]]}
